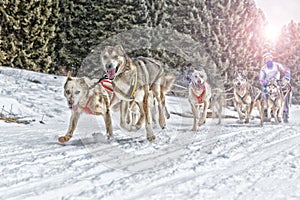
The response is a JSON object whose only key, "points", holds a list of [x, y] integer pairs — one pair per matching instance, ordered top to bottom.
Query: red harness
{"points": [[107, 84], [200, 96], [87, 109]]}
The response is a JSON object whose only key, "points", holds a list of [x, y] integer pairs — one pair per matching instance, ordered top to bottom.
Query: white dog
{"points": [[85, 95], [199, 96]]}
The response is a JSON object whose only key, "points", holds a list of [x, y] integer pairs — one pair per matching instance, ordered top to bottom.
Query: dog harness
{"points": [[107, 84], [131, 92], [200, 96], [242, 98], [87, 109]]}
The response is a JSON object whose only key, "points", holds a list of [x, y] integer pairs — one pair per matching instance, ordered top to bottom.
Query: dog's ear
{"points": [[120, 48], [244, 73], [236, 74], [69, 77], [82, 82]]}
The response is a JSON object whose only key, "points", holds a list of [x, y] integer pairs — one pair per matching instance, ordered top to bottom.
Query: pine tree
{"points": [[85, 24], [27, 32], [286, 52]]}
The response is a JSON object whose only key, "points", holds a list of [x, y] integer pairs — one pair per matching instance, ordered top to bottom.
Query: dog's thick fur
{"points": [[132, 81], [85, 95], [199, 96], [246, 97], [275, 101]]}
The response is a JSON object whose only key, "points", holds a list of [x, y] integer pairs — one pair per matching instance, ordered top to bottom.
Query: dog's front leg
{"points": [[260, 109], [239, 110], [248, 111], [269, 112], [280, 112], [123, 114], [195, 114], [204, 114], [275, 114], [73, 123], [108, 124]]}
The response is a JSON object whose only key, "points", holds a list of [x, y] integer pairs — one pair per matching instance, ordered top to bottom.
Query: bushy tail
{"points": [[168, 83]]}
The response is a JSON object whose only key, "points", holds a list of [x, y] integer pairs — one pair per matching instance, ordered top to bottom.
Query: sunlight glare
{"points": [[271, 33]]}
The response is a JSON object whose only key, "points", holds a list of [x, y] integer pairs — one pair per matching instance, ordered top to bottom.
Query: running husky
{"points": [[132, 81], [85, 95], [199, 96], [246, 97], [275, 101]]}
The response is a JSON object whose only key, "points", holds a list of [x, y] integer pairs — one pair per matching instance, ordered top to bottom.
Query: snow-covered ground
{"points": [[216, 162]]}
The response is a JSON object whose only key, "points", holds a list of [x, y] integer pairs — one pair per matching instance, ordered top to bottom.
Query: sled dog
{"points": [[133, 79], [85, 95], [199, 96], [246, 97], [275, 101]]}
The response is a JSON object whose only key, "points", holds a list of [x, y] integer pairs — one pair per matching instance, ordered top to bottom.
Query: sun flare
{"points": [[271, 33]]}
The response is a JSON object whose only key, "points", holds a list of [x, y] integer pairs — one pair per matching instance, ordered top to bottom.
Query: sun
{"points": [[271, 33]]}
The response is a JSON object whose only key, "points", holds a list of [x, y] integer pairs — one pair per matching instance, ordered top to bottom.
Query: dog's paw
{"points": [[201, 122], [137, 127], [150, 137], [110, 138], [63, 139]]}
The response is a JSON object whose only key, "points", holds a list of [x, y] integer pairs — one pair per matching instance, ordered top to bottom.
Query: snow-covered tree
{"points": [[27, 31]]}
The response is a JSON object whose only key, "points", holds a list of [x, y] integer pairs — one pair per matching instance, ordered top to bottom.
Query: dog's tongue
{"points": [[111, 73], [240, 87], [75, 107]]}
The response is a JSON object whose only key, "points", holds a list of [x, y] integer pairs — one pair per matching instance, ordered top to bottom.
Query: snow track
{"points": [[216, 162]]}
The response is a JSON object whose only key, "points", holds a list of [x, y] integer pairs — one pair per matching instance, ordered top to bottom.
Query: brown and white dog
{"points": [[133, 79], [85, 95], [199, 96], [246, 97], [275, 101]]}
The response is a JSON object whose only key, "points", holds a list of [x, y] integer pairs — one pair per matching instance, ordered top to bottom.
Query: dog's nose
{"points": [[109, 66], [238, 83], [71, 101]]}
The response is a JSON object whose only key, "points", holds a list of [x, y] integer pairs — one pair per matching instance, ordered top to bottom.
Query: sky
{"points": [[279, 13]]}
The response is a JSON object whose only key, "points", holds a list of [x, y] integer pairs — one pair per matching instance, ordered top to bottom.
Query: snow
{"points": [[216, 162]]}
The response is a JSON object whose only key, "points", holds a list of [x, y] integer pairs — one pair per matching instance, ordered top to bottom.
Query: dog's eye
{"points": [[115, 57], [68, 92], [77, 92]]}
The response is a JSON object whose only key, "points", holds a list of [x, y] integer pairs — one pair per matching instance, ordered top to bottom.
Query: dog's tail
{"points": [[168, 83]]}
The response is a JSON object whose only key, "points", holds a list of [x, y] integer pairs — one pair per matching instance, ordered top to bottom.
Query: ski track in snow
{"points": [[216, 162]]}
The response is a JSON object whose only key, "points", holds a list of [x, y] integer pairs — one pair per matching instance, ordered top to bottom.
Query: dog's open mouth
{"points": [[112, 72], [239, 86], [274, 94], [72, 106]]}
